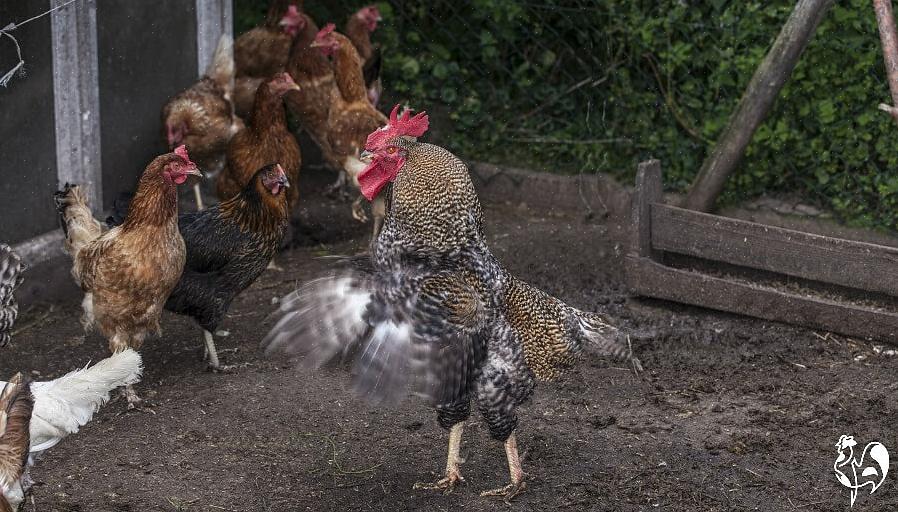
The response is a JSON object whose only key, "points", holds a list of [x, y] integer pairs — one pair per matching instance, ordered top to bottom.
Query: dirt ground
{"points": [[730, 413]]}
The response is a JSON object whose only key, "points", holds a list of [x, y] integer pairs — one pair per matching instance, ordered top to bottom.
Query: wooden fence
{"points": [[663, 230]]}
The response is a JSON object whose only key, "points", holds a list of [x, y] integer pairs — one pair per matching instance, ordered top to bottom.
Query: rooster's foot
{"points": [[274, 266], [446, 484], [508, 492]]}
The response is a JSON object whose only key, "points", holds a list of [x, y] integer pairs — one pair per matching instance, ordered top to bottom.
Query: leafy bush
{"points": [[587, 86]]}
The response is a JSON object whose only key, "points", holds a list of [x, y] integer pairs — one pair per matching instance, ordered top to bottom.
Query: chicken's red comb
{"points": [[292, 12], [330, 27], [399, 126], [181, 151]]}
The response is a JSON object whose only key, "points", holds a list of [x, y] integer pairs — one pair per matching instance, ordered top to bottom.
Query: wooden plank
{"points": [[76, 97], [756, 102], [647, 192], [837, 261], [652, 279]]}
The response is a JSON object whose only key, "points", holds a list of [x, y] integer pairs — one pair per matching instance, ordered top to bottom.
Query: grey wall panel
{"points": [[147, 53], [27, 137]]}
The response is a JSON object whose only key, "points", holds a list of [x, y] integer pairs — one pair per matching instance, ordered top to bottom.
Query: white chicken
{"points": [[61, 407]]}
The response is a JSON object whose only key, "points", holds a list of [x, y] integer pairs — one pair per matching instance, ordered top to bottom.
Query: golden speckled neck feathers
{"points": [[434, 199]]}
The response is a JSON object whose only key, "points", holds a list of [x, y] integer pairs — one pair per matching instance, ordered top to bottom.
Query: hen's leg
{"points": [[197, 194], [212, 354], [453, 475], [517, 484]]}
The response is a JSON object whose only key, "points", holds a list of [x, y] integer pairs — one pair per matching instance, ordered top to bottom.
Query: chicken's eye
{"points": [[392, 150]]}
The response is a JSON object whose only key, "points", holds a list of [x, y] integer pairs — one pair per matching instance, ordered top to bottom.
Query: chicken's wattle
{"points": [[377, 175]]}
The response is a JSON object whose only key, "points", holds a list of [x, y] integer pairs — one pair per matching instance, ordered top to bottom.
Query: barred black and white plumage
{"points": [[11, 274], [437, 311]]}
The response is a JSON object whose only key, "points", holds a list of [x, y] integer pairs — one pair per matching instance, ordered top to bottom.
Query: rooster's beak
{"points": [[315, 44], [366, 156], [196, 172], [284, 182]]}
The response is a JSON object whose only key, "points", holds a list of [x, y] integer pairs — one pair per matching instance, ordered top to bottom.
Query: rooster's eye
{"points": [[392, 149]]}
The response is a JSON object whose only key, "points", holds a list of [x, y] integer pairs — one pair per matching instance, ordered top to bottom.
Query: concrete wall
{"points": [[147, 53], [27, 136]]}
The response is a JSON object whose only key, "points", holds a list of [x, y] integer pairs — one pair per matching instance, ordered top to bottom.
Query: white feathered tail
{"points": [[64, 405]]}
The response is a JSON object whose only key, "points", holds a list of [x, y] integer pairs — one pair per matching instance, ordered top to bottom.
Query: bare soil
{"points": [[730, 413]]}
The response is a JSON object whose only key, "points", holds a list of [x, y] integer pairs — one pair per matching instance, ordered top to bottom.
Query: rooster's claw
{"points": [[446, 484], [508, 492]]}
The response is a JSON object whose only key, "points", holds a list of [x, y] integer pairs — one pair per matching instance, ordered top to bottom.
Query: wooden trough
{"points": [[665, 232]]}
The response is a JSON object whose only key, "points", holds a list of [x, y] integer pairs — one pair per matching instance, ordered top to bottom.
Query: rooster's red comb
{"points": [[330, 27], [399, 126]]}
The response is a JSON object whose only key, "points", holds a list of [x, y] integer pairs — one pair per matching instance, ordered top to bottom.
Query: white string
{"points": [[5, 31]]}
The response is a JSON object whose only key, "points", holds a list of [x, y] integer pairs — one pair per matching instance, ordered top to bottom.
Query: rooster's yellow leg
{"points": [[453, 475], [517, 484]]}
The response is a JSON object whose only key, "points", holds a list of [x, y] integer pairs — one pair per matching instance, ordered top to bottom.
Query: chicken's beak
{"points": [[315, 44], [366, 156], [196, 172], [284, 182]]}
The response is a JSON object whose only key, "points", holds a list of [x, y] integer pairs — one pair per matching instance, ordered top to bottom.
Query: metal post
{"points": [[213, 18], [76, 97]]}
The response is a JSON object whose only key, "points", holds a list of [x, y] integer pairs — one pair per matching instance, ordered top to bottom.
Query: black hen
{"points": [[228, 246]]}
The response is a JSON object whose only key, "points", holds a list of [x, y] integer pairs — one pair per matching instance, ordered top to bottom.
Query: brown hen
{"points": [[262, 52], [202, 117], [266, 140], [128, 272]]}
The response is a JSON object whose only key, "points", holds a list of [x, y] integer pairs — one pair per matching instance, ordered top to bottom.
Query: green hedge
{"points": [[586, 86]]}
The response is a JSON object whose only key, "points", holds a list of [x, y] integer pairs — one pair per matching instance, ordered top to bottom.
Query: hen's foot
{"points": [[358, 211], [274, 266], [222, 368], [135, 403], [446, 484], [508, 492]]}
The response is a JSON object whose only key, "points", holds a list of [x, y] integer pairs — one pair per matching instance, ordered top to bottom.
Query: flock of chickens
{"points": [[427, 309]]}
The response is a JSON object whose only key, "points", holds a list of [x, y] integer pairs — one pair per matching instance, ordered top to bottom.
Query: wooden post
{"points": [[886, 23], [76, 97], [755, 103], [648, 191]]}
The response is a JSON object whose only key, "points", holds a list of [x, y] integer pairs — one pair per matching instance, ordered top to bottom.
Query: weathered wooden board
{"points": [[648, 192], [837, 261], [652, 279]]}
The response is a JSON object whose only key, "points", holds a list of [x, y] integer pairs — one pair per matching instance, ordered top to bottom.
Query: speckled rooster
{"points": [[432, 310]]}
